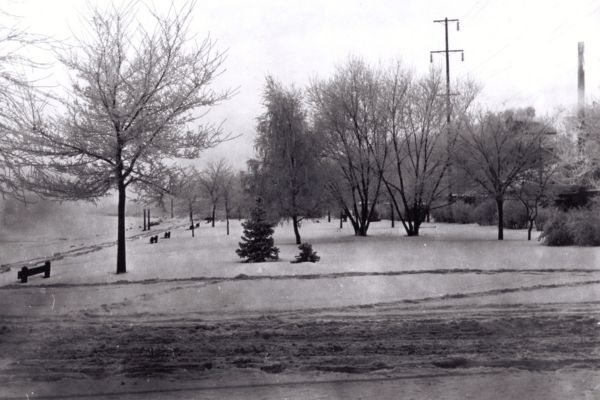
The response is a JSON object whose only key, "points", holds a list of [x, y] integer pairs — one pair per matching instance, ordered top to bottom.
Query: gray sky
{"points": [[522, 52]]}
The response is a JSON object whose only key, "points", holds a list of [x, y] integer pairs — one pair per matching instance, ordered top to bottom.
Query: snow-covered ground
{"points": [[449, 278]]}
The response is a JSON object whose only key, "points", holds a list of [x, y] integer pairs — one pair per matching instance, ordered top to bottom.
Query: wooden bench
{"points": [[168, 235], [154, 239], [26, 272]]}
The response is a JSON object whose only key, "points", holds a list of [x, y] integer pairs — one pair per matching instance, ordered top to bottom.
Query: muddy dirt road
{"points": [[379, 343]]}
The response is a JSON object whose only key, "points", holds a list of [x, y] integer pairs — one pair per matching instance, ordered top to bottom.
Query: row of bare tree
{"points": [[369, 135], [189, 190]]}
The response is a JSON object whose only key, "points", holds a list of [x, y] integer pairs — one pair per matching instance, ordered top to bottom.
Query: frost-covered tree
{"points": [[138, 90], [18, 105], [349, 114], [419, 141], [496, 150], [288, 155]]}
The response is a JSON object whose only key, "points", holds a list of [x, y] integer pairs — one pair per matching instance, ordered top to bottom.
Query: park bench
{"points": [[168, 235], [154, 239], [26, 272]]}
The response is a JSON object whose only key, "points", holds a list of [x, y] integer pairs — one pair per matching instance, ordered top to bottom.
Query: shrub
{"points": [[458, 212], [462, 213], [486, 213], [442, 214], [515, 215], [374, 217], [542, 217], [584, 226], [576, 227], [556, 231], [306, 254]]}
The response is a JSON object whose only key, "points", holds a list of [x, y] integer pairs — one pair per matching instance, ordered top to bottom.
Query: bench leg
{"points": [[24, 274]]}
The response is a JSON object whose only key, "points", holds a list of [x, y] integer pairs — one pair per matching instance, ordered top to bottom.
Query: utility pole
{"points": [[447, 52]]}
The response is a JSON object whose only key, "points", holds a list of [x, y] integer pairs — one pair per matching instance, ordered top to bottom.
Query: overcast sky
{"points": [[522, 52]]}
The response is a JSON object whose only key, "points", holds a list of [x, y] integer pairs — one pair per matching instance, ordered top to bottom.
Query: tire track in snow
{"points": [[332, 275]]}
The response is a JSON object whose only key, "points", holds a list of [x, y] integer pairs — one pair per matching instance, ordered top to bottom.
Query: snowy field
{"points": [[446, 313]]}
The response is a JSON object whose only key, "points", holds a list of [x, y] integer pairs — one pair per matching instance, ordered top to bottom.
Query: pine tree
{"points": [[257, 243]]}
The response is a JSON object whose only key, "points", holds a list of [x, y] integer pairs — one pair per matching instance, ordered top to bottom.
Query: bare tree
{"points": [[135, 94], [348, 112], [420, 142], [496, 150], [288, 153], [212, 179], [535, 187], [187, 188], [231, 191], [161, 192]]}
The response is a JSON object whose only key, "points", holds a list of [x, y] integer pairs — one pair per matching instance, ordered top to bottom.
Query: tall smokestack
{"points": [[580, 82], [580, 93]]}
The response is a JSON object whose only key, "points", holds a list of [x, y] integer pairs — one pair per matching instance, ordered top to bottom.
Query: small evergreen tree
{"points": [[257, 241], [306, 254]]}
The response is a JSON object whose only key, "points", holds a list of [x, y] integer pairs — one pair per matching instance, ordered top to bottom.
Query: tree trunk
{"points": [[500, 206], [214, 209], [144, 210], [392, 212], [172, 214], [227, 215], [328, 215], [148, 219], [192, 220], [341, 220], [355, 226], [530, 228], [413, 229], [296, 230], [361, 231], [121, 255]]}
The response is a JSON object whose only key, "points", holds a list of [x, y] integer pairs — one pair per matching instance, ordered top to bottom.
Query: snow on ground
{"points": [[212, 254], [203, 273], [383, 308]]}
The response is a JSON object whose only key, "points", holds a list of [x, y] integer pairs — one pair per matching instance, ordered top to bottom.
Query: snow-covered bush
{"points": [[577, 227], [585, 227], [556, 231], [306, 254]]}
